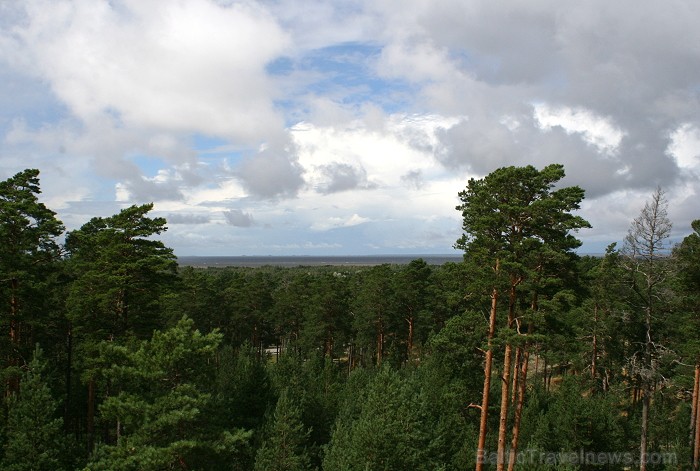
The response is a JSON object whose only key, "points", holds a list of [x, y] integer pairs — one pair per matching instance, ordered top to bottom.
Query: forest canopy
{"points": [[525, 355]]}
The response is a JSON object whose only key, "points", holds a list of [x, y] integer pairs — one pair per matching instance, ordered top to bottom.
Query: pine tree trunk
{"points": [[14, 311], [254, 339], [380, 342], [409, 342], [595, 342], [328, 344], [488, 363], [544, 375], [516, 377], [13, 380], [606, 381], [505, 385], [646, 391], [520, 401], [694, 409], [91, 415], [67, 420], [503, 421], [644, 431], [696, 444]]}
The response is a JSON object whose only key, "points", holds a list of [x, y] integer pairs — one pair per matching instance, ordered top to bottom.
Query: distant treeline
{"points": [[291, 261]]}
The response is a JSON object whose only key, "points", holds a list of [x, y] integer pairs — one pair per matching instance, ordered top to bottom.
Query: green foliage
{"points": [[513, 211], [28, 228], [518, 231], [687, 257], [29, 271], [120, 274], [193, 295], [413, 297], [247, 301], [290, 304], [327, 314], [376, 315], [597, 341], [459, 346], [315, 386], [243, 388], [203, 394], [159, 410], [570, 419], [34, 433], [386, 434], [285, 446]]}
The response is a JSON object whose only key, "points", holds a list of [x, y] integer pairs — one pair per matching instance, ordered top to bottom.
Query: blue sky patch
{"points": [[346, 74], [148, 164]]}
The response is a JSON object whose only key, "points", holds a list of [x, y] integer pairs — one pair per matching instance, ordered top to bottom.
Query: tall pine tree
{"points": [[515, 223], [28, 254], [34, 432]]}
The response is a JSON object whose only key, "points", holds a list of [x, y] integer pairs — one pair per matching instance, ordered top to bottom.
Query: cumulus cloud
{"points": [[613, 61], [180, 66], [141, 78], [595, 130], [685, 147], [272, 173], [342, 177], [413, 179], [164, 186], [238, 218], [189, 219], [340, 222]]}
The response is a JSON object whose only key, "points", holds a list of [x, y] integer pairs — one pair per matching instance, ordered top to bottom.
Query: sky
{"points": [[309, 127]]}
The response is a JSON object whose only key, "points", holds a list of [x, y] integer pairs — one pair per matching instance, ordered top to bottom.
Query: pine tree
{"points": [[515, 226], [29, 252], [687, 256], [644, 257], [120, 272], [412, 291], [248, 297], [290, 299], [375, 313], [327, 314], [598, 321], [159, 413], [386, 433], [35, 440], [285, 446]]}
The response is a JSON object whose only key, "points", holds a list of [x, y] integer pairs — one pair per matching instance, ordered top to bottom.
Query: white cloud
{"points": [[422, 62], [178, 65], [595, 130], [407, 143], [685, 146], [273, 172], [121, 193], [215, 193], [238, 218], [189, 219], [335, 222]]}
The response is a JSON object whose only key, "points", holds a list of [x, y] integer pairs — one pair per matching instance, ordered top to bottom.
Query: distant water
{"points": [[305, 261]]}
